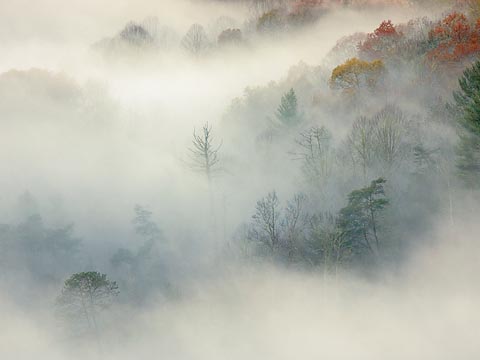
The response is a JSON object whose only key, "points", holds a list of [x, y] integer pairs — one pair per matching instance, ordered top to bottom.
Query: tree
{"points": [[259, 7], [305, 11], [271, 21], [136, 35], [230, 37], [454, 39], [195, 40], [380, 43], [345, 48], [356, 74], [467, 101], [287, 112], [390, 130], [382, 140], [360, 144], [316, 153], [204, 154], [204, 158], [267, 221], [358, 221], [293, 224], [147, 228], [279, 231], [327, 245], [46, 254], [141, 270], [84, 296]]}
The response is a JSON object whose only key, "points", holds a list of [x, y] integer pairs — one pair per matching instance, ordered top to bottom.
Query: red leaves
{"points": [[386, 28], [456, 39], [380, 43]]}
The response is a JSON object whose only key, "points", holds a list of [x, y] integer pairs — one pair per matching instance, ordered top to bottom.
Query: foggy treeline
{"points": [[275, 179]]}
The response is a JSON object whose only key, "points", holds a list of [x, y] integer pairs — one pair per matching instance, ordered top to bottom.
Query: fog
{"points": [[260, 252]]}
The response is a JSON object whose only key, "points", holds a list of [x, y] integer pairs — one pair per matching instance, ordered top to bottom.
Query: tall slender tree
{"points": [[467, 101], [204, 154], [205, 159], [359, 219]]}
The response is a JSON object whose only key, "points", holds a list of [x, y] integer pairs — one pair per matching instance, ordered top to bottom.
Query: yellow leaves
{"points": [[355, 74]]}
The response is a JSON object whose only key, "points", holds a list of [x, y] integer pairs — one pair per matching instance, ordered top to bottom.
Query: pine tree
{"points": [[467, 101], [287, 112], [358, 221], [84, 296]]}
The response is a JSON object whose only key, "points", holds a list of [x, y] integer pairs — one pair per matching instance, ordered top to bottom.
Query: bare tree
{"points": [[195, 40], [390, 129], [382, 140], [360, 142], [316, 153], [204, 154], [204, 158], [267, 221], [293, 222], [279, 231], [328, 245]]}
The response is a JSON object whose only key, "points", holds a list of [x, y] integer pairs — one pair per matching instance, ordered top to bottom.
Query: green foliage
{"points": [[467, 101], [287, 112], [359, 219], [146, 228], [46, 254], [141, 270], [83, 297]]}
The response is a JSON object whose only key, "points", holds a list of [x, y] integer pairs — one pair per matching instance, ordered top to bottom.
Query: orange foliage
{"points": [[455, 38], [380, 43], [355, 74]]}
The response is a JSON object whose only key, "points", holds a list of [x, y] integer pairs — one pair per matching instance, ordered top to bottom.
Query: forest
{"points": [[250, 179]]}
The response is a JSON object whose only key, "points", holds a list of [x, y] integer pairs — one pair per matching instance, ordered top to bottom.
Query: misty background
{"points": [[336, 215]]}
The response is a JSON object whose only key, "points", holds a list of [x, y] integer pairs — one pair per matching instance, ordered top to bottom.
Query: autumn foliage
{"points": [[454, 39], [381, 42], [356, 74]]}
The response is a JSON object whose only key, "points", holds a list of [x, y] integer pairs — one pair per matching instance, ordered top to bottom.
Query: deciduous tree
{"points": [[454, 39], [195, 40], [380, 43], [356, 74], [315, 151]]}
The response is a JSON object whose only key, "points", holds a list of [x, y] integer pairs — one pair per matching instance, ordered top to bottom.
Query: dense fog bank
{"points": [[262, 179]]}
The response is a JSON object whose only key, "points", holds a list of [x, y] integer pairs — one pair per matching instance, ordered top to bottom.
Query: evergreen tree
{"points": [[467, 101], [287, 112], [358, 221], [84, 296]]}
